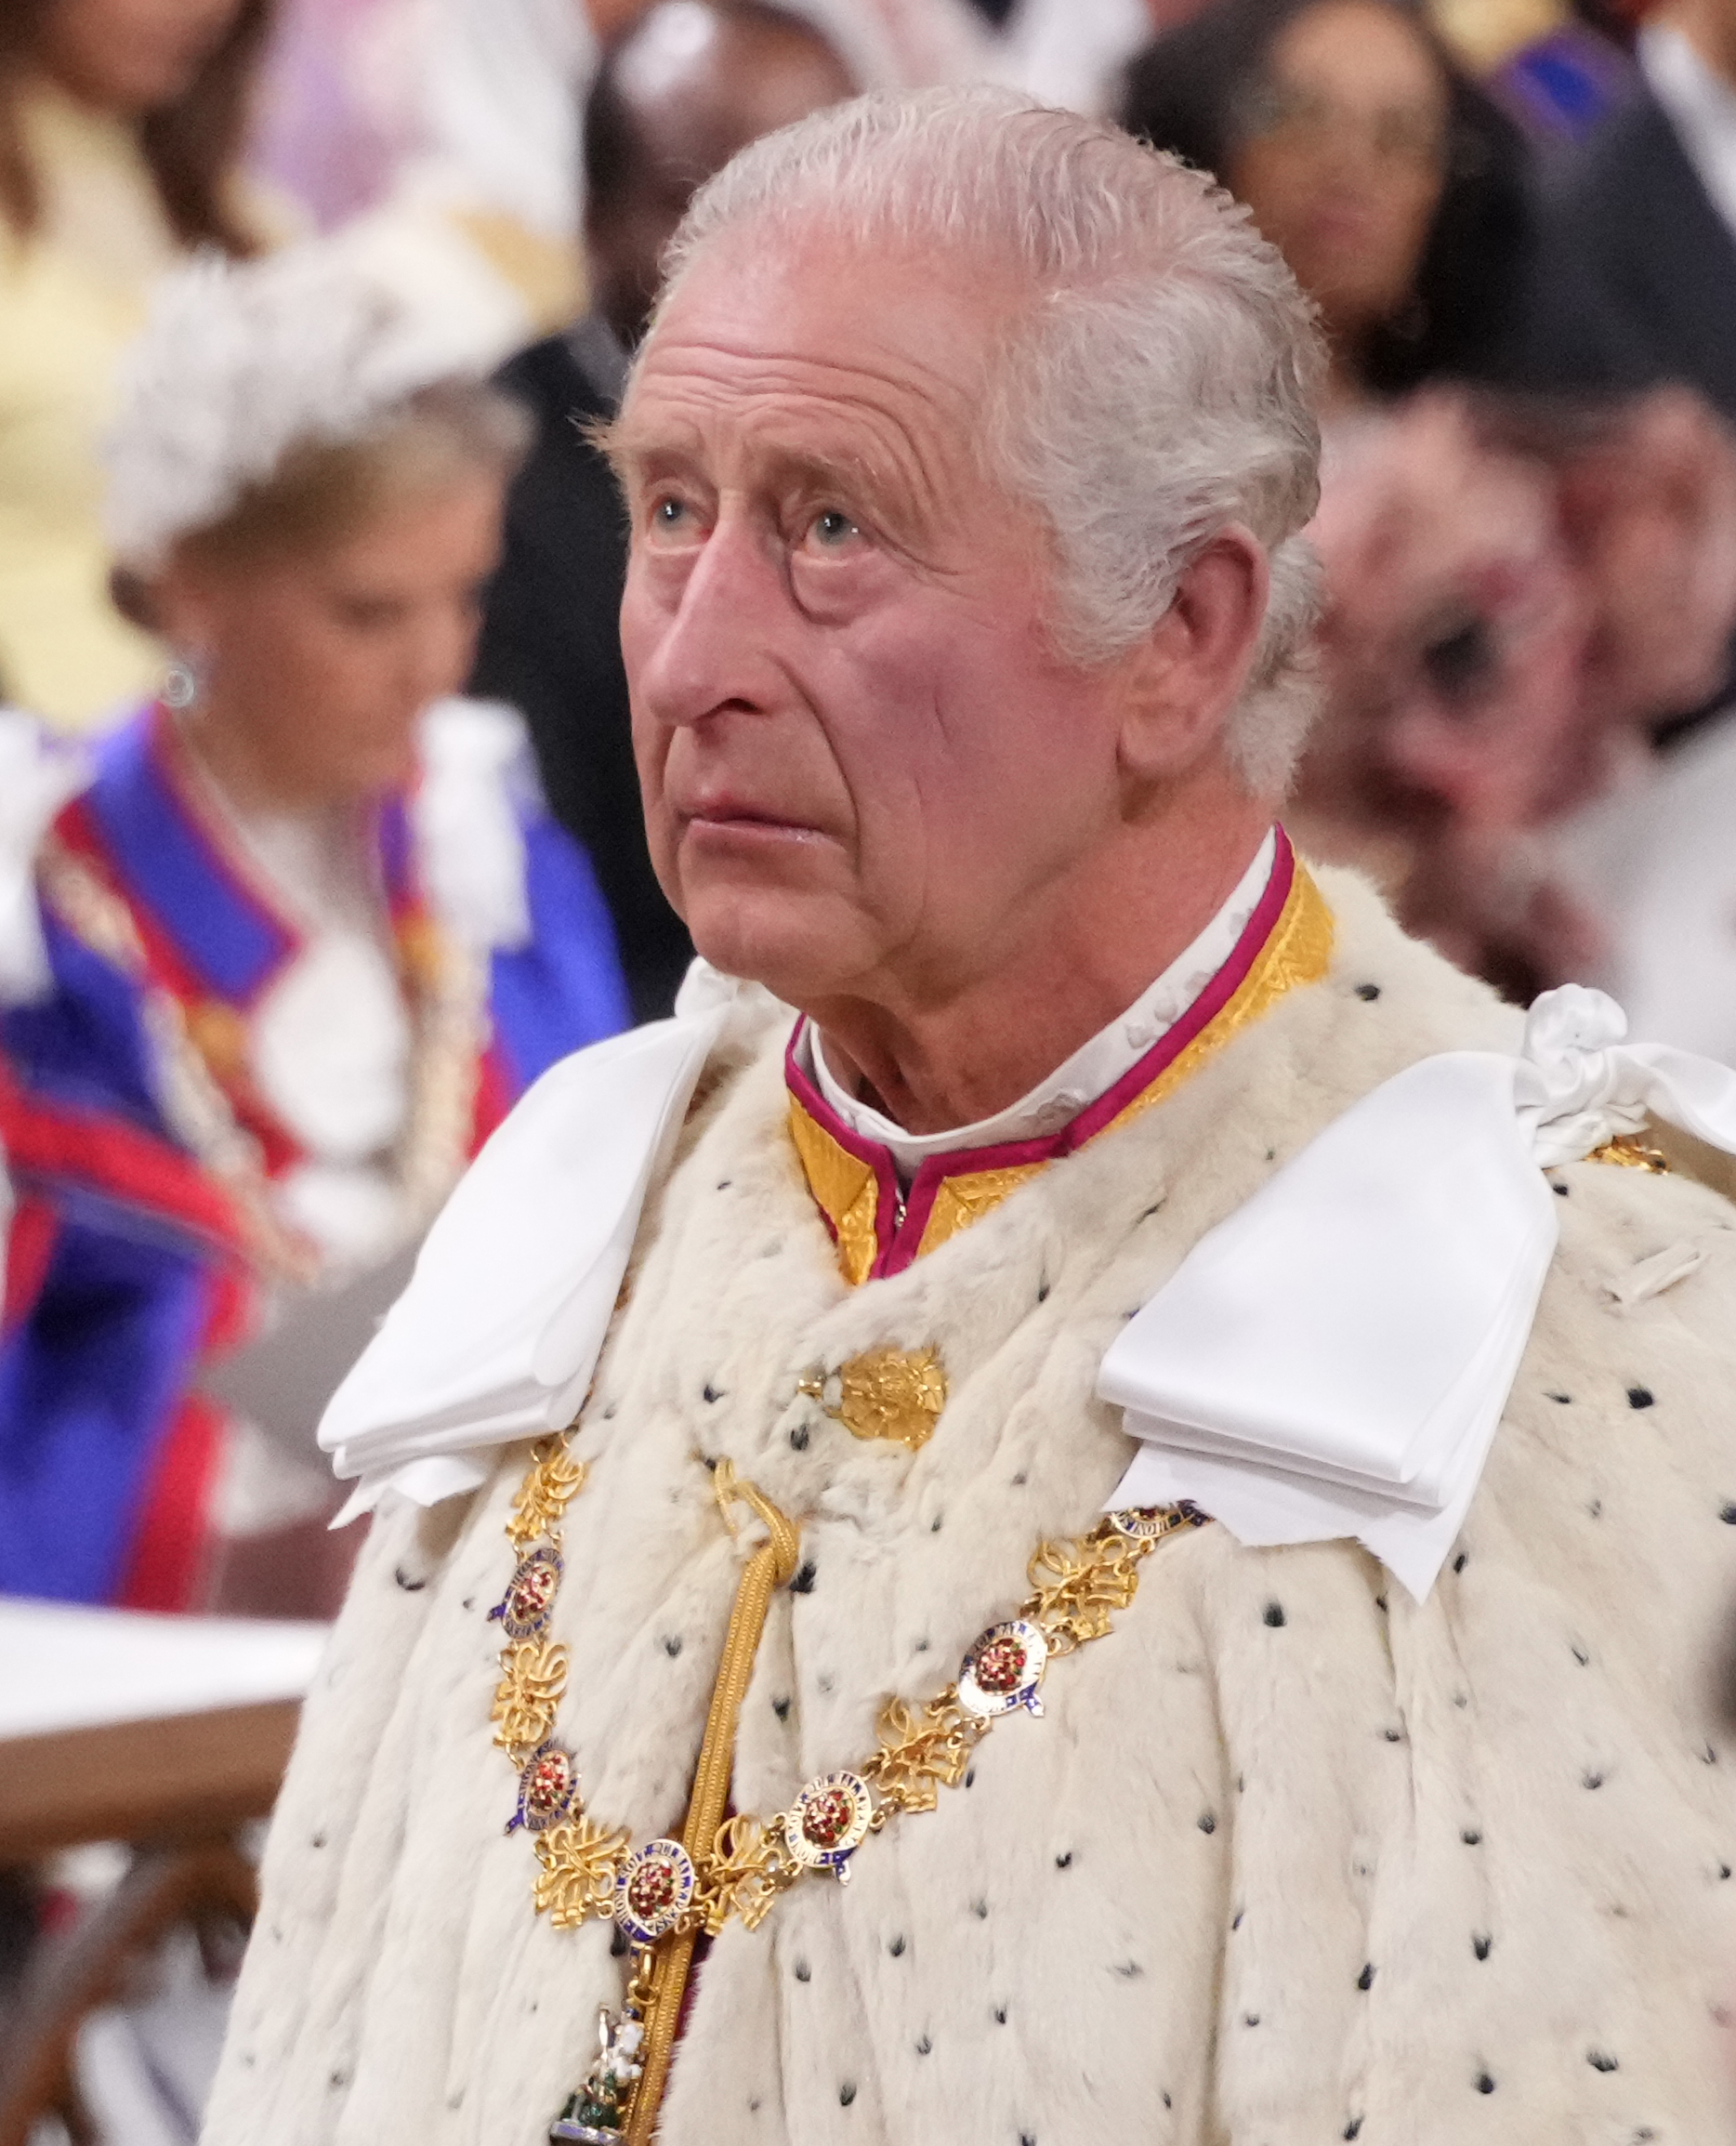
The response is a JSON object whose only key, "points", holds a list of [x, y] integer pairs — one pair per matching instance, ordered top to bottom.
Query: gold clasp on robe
{"points": [[890, 1394]]}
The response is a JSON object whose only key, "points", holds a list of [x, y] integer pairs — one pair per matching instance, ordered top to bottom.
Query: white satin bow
{"points": [[1578, 1082], [500, 1329], [1334, 1358]]}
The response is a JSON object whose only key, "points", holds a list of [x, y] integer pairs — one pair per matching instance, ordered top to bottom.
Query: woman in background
{"points": [[121, 123], [1392, 186], [310, 930]]}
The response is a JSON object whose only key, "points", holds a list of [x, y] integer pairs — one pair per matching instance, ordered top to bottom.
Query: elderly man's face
{"points": [[865, 771]]}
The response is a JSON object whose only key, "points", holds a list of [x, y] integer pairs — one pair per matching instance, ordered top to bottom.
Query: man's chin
{"points": [[795, 948]]}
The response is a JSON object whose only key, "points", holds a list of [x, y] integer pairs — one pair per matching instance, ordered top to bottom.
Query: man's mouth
{"points": [[736, 817]]}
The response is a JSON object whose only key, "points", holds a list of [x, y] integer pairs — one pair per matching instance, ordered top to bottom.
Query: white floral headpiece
{"points": [[240, 363]]}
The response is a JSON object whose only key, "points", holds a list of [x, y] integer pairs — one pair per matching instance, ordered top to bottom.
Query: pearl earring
{"points": [[181, 683]]}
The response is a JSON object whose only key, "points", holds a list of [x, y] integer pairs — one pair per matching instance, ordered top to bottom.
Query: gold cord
{"points": [[770, 1567]]}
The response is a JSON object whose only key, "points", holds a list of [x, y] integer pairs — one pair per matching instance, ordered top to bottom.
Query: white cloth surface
{"points": [[1071, 52], [500, 90], [1701, 107], [38, 773], [476, 774], [1655, 864], [330, 1037], [329, 1042], [330, 1046], [1092, 1070], [496, 1337], [1334, 1359], [64, 1665], [145, 2068]]}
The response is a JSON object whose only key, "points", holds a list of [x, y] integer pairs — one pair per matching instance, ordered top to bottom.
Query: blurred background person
{"points": [[1068, 52], [1558, 70], [689, 83], [122, 124], [443, 136], [1393, 187], [1635, 280], [1522, 594], [1519, 595], [311, 931]]}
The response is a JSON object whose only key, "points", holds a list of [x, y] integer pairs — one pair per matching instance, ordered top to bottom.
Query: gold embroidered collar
{"points": [[881, 1226]]}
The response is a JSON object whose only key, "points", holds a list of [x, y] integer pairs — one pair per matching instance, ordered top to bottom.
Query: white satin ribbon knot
{"points": [[1334, 1358]]}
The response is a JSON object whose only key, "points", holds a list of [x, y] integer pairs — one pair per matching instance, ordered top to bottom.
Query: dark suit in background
{"points": [[1634, 277], [550, 644]]}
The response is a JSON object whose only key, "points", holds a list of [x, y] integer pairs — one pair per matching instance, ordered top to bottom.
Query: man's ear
{"points": [[1182, 680]]}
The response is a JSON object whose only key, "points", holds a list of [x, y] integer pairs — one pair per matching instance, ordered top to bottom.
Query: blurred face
{"points": [[131, 55], [697, 87], [1344, 157], [318, 665], [864, 771]]}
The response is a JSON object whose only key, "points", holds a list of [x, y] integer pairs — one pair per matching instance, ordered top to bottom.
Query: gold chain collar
{"points": [[664, 1895]]}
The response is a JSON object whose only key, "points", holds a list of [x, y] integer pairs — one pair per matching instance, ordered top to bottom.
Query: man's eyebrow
{"points": [[625, 444], [631, 449], [793, 470]]}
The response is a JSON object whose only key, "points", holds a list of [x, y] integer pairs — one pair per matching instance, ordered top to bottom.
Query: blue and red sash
{"points": [[128, 1263]]}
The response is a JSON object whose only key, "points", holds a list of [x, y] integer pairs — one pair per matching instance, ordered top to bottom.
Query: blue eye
{"points": [[667, 513], [832, 528]]}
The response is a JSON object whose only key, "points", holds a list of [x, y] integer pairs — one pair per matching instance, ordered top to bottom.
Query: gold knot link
{"points": [[555, 1480], [786, 1541], [1079, 1585], [533, 1681], [580, 1864], [746, 1871]]}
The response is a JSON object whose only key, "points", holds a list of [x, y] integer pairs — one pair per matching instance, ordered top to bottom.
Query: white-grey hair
{"points": [[1160, 388]]}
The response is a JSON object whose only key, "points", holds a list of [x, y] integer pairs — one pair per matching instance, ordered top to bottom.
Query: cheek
{"points": [[1275, 187], [1416, 201], [644, 619], [310, 662], [321, 691], [948, 735]]}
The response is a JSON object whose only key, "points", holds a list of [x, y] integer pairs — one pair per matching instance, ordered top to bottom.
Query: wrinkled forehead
{"points": [[858, 351]]}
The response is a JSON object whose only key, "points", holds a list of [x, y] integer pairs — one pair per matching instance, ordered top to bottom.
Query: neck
{"points": [[1704, 25], [246, 774], [933, 1060]]}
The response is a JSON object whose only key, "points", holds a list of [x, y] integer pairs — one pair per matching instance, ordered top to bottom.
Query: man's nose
{"points": [[716, 649]]}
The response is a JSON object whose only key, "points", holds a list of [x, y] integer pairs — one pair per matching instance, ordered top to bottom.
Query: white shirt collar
{"points": [[1701, 108], [1092, 1070]]}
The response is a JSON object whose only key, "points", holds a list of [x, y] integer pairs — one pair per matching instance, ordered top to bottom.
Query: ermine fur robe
{"points": [[1288, 1859]]}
